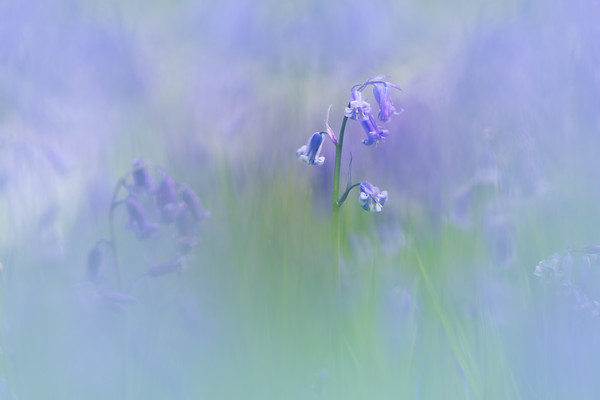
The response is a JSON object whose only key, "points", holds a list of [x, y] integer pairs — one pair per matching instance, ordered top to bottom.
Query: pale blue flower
{"points": [[383, 95], [358, 109], [374, 133], [310, 152], [371, 198]]}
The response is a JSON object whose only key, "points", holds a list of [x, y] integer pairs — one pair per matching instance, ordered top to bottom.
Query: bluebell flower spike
{"points": [[310, 153], [371, 198]]}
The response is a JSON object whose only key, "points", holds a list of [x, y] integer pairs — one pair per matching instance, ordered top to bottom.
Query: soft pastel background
{"points": [[492, 167]]}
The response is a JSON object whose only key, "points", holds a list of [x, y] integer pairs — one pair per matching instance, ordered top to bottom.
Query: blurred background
{"points": [[480, 278]]}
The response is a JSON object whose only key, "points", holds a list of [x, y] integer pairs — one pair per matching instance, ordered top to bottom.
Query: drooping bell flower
{"points": [[383, 95], [358, 109], [374, 133], [310, 152], [142, 179], [371, 198], [166, 199], [137, 219]]}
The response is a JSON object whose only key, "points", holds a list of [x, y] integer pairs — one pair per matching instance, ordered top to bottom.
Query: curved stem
{"points": [[345, 195], [113, 203]]}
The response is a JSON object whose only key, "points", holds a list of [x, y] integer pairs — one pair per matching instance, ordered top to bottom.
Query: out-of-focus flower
{"points": [[383, 95], [358, 109], [374, 133], [310, 152], [142, 180], [166, 198], [371, 198], [192, 202], [137, 219], [556, 268]]}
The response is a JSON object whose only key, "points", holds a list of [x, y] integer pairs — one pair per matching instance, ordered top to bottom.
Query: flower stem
{"points": [[113, 203], [335, 212]]}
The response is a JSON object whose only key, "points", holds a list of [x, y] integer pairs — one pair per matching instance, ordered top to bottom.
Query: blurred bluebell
{"points": [[357, 109], [374, 133], [310, 152], [142, 179], [166, 198], [371, 198], [192, 202], [137, 219], [556, 268]]}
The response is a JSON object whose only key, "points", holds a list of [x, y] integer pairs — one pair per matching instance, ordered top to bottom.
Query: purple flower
{"points": [[383, 95], [358, 109], [374, 133], [310, 152], [142, 180], [166, 197], [371, 198], [192, 202], [137, 219]]}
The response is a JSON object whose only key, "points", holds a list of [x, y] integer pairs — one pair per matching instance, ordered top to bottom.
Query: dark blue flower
{"points": [[358, 109], [374, 133], [310, 152], [371, 198]]}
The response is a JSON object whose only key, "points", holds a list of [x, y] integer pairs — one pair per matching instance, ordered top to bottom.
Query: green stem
{"points": [[335, 212], [112, 231]]}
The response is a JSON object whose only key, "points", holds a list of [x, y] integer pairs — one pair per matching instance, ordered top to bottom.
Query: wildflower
{"points": [[384, 99], [358, 109], [374, 133], [310, 152], [142, 180], [166, 197], [371, 198], [192, 202], [137, 219], [556, 268]]}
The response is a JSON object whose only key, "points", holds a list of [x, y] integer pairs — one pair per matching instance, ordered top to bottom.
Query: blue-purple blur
{"points": [[123, 124]]}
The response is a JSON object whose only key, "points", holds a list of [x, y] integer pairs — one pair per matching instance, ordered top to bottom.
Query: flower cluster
{"points": [[361, 111], [370, 198], [156, 208], [573, 274]]}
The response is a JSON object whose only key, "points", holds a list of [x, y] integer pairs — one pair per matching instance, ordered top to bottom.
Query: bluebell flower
{"points": [[383, 95], [358, 109], [374, 133], [310, 152], [142, 180], [166, 197], [371, 198], [192, 202], [137, 219]]}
